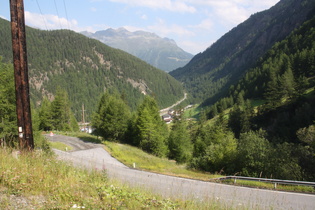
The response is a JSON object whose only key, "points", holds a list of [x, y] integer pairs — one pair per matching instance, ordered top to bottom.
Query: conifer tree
{"points": [[288, 84], [45, 115], [62, 116], [112, 118], [151, 132], [179, 143]]}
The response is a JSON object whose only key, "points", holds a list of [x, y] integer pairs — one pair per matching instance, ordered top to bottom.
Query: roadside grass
{"points": [[193, 112], [130, 155], [38, 181], [265, 185]]}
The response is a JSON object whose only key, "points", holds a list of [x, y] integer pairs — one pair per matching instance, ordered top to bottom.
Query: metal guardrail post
{"points": [[274, 181]]}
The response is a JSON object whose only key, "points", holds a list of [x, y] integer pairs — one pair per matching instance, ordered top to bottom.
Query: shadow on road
{"points": [[90, 139]]}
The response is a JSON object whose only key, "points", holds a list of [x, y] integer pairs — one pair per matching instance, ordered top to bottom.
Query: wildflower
{"points": [[75, 206]]}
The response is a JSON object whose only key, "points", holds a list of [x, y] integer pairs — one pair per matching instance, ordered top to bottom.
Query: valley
{"points": [[255, 90]]}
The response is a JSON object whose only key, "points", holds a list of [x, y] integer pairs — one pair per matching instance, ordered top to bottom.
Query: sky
{"points": [[193, 24]]}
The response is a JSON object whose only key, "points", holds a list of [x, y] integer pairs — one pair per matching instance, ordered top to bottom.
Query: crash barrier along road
{"points": [[93, 156], [274, 181]]}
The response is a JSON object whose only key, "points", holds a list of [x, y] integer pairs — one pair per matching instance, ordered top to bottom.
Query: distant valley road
{"points": [[93, 156]]}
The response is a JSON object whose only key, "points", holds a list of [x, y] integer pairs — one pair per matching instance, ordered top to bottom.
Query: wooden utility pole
{"points": [[23, 109]]}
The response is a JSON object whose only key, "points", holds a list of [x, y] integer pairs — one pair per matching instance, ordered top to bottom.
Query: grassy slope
{"points": [[144, 161], [38, 181]]}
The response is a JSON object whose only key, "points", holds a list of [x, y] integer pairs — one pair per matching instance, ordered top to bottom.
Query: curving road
{"points": [[165, 110], [93, 156]]}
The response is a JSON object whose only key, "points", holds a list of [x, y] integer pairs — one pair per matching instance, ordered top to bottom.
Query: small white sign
{"points": [[20, 129]]}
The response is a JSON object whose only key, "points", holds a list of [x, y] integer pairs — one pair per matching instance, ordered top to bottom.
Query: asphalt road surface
{"points": [[165, 110], [93, 156]]}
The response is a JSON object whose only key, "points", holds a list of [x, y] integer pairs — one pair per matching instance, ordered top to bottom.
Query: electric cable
{"points": [[42, 15]]}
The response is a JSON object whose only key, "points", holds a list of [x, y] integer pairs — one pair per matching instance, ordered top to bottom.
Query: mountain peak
{"points": [[121, 29], [162, 53]]}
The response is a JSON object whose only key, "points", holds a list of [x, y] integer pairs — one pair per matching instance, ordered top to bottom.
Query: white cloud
{"points": [[171, 5], [93, 9], [232, 12], [3, 17], [144, 17], [48, 21], [53, 22], [206, 24], [165, 30], [194, 47]]}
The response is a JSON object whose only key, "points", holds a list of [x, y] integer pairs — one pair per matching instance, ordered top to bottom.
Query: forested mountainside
{"points": [[162, 53], [85, 68], [209, 74], [283, 80], [276, 100]]}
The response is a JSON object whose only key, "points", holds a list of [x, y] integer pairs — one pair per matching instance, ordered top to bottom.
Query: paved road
{"points": [[165, 110], [93, 156]]}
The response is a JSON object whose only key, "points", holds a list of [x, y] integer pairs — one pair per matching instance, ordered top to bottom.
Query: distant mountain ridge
{"points": [[162, 53], [85, 68], [209, 74]]}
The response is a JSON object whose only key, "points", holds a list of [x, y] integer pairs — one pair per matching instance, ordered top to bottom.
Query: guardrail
{"points": [[274, 181]]}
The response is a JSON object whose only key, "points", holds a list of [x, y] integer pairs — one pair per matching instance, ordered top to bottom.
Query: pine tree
{"points": [[288, 84], [45, 115], [62, 116], [112, 118], [151, 132], [179, 143]]}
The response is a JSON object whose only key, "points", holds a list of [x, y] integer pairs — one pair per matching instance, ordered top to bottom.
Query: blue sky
{"points": [[193, 24]]}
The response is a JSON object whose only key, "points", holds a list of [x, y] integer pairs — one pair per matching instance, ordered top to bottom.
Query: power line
{"points": [[64, 3], [58, 14], [42, 15]]}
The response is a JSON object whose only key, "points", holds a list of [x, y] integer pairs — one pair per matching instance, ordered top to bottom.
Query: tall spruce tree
{"points": [[45, 115], [62, 116], [112, 118], [151, 132], [179, 143]]}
